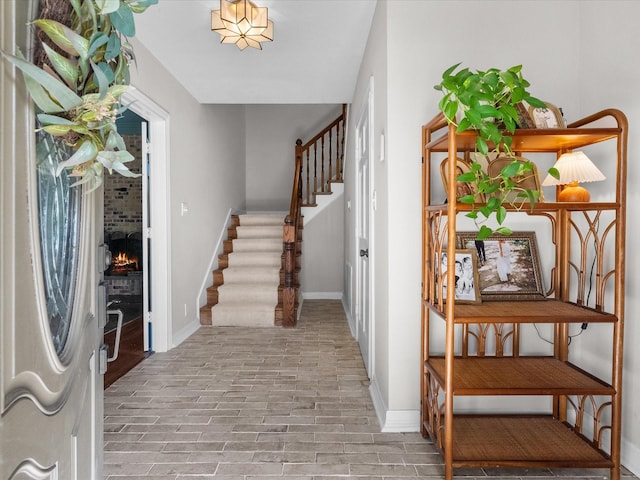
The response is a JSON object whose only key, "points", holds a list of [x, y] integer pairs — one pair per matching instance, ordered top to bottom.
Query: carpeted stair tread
{"points": [[261, 219], [259, 231], [257, 244], [262, 259], [250, 273], [248, 293], [239, 314]]}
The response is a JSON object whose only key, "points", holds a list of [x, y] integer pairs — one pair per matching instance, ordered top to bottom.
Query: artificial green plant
{"points": [[77, 89], [486, 101]]}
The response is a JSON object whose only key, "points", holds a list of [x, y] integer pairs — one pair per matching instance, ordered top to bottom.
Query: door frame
{"points": [[367, 109], [160, 221]]}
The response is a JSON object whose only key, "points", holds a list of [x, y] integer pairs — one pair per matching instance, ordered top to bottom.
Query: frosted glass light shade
{"points": [[243, 23], [574, 167]]}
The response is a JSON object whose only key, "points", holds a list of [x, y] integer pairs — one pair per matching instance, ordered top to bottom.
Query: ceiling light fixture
{"points": [[242, 23]]}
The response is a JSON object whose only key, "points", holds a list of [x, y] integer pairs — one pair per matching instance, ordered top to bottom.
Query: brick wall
{"points": [[123, 195]]}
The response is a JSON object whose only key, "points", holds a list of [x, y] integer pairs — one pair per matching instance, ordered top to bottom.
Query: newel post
{"points": [[289, 290]]}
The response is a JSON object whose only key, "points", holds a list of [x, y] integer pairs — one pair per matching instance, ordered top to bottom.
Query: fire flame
{"points": [[122, 260]]}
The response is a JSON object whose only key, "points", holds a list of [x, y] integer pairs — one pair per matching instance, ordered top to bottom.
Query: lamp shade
{"points": [[574, 167]]}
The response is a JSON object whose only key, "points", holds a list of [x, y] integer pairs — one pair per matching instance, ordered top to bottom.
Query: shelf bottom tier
{"points": [[519, 441]]}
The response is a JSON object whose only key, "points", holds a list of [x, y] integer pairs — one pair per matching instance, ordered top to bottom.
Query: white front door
{"points": [[363, 298], [52, 307]]}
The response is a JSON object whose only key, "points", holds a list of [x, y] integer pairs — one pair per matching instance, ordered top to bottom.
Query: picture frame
{"points": [[524, 117], [549, 117], [530, 181], [462, 188], [513, 275], [467, 279]]}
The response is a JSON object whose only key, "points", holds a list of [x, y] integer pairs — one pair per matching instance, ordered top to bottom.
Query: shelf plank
{"points": [[533, 140], [536, 311], [517, 376], [521, 441]]}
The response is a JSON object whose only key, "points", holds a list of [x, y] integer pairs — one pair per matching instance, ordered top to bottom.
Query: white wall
{"points": [[577, 55], [608, 77], [272, 131], [207, 173], [321, 275]]}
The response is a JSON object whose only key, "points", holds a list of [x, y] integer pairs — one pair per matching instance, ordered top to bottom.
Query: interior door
{"points": [[363, 300], [51, 304]]}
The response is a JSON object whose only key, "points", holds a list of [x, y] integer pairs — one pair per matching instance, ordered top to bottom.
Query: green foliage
{"points": [[78, 91], [485, 101]]}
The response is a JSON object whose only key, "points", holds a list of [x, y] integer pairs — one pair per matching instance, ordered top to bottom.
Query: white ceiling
{"points": [[314, 57]]}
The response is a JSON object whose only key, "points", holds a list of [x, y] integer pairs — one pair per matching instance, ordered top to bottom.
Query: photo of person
{"points": [[507, 265], [465, 276]]}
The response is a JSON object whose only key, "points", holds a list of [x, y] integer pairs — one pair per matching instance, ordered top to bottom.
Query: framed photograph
{"points": [[524, 117], [550, 117], [530, 181], [462, 188], [508, 266], [466, 276]]}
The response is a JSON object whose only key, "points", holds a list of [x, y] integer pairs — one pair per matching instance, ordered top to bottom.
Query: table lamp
{"points": [[574, 168]]}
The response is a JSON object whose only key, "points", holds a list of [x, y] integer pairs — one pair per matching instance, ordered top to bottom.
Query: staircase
{"points": [[257, 280], [245, 285]]}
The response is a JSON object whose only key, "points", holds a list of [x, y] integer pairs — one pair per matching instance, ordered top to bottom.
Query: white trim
{"points": [[159, 185], [207, 280], [322, 295], [350, 321], [185, 332], [393, 421], [630, 457]]}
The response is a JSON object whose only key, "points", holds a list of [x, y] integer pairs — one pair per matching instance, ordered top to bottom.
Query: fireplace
{"points": [[126, 253], [124, 275]]}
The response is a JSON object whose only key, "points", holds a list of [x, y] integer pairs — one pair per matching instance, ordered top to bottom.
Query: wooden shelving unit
{"points": [[582, 427]]}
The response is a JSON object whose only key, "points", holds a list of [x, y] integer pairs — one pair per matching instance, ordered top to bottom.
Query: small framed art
{"points": [[549, 117], [528, 181], [462, 188], [508, 265], [465, 267]]}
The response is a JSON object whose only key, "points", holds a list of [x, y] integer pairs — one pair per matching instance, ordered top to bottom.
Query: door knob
{"points": [[364, 253]]}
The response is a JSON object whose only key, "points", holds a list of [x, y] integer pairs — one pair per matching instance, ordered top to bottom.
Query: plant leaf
{"points": [[107, 6], [123, 21], [65, 38], [98, 40], [113, 47], [64, 67], [103, 81], [52, 96], [47, 119], [87, 151], [504, 231], [484, 232]]}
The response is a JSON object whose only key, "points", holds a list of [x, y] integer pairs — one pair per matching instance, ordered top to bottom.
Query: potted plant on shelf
{"points": [[487, 102]]}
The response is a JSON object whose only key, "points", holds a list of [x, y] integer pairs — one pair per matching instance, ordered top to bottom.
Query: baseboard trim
{"points": [[322, 295], [350, 321], [185, 332], [393, 421], [630, 457]]}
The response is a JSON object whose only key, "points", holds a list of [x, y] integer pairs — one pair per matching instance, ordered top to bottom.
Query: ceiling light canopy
{"points": [[243, 23]]}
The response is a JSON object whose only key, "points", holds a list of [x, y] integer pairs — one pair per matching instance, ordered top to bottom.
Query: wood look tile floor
{"points": [[241, 403]]}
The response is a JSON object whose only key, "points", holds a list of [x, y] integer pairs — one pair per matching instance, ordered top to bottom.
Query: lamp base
{"points": [[574, 193]]}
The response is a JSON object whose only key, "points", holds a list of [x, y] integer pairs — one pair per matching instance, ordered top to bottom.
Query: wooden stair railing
{"points": [[322, 160], [318, 163]]}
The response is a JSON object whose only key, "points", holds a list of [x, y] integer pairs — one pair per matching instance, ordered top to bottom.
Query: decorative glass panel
{"points": [[59, 207]]}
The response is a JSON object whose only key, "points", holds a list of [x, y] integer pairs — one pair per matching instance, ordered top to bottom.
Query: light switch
{"points": [[184, 209]]}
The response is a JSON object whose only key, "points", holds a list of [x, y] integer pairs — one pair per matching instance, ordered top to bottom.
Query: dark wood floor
{"points": [[131, 351]]}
